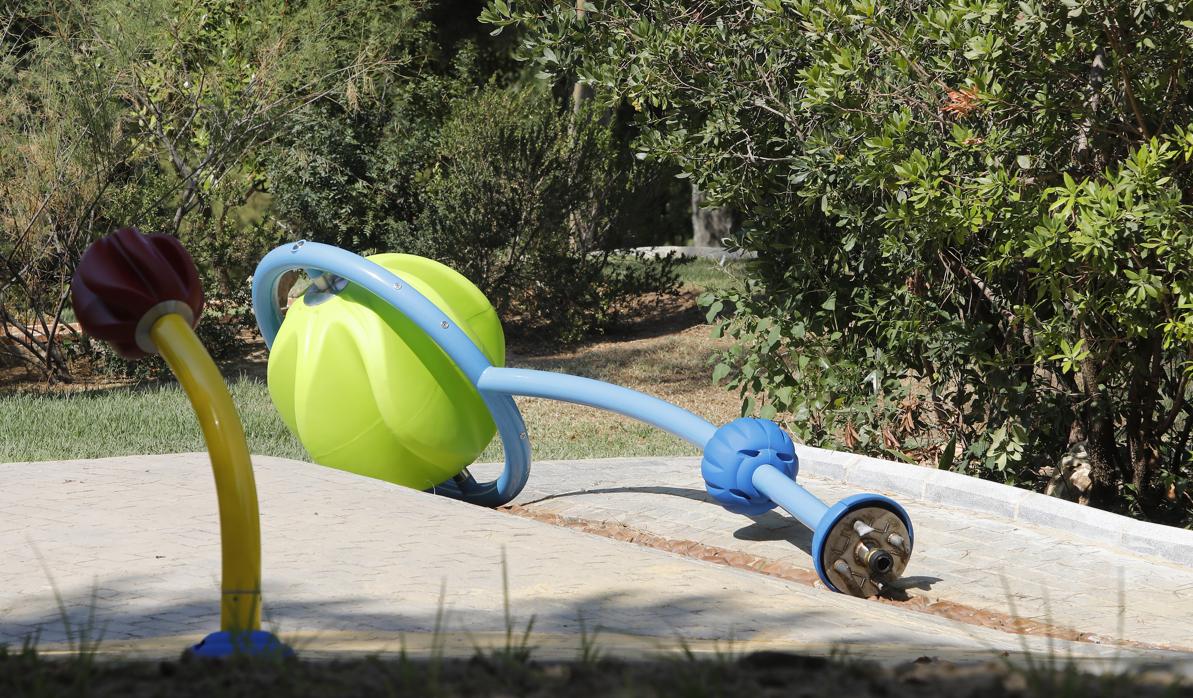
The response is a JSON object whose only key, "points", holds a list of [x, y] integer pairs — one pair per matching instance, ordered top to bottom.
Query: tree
{"points": [[970, 215]]}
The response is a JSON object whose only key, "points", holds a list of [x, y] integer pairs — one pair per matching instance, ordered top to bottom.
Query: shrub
{"points": [[98, 131], [353, 177], [520, 194], [526, 199], [974, 248], [225, 319]]}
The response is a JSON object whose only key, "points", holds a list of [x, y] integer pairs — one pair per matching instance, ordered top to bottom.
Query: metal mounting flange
{"points": [[862, 545]]}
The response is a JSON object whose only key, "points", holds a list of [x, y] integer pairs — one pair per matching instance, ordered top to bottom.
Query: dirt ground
{"points": [[665, 334]]}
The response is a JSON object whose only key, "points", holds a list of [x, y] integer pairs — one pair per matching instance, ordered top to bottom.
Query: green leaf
{"points": [[714, 309], [948, 454]]}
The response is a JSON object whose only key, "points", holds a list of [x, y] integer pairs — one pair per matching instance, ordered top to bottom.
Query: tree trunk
{"points": [[581, 93], [709, 225], [581, 234], [1143, 466], [1105, 470]]}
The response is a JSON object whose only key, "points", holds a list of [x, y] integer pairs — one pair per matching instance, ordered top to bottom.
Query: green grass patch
{"points": [[698, 274], [710, 274], [158, 419], [134, 420], [560, 431]]}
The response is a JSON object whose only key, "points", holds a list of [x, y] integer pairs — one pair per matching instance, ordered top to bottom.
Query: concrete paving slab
{"points": [[130, 548], [977, 559]]}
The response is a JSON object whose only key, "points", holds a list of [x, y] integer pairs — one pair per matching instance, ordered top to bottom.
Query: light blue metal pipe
{"points": [[315, 257], [368, 275], [594, 393], [790, 495]]}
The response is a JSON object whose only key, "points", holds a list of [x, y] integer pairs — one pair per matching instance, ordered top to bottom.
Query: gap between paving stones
{"points": [[966, 492], [753, 563]]}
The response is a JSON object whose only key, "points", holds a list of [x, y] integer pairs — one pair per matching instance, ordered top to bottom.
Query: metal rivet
{"points": [[397, 287], [444, 324], [522, 436]]}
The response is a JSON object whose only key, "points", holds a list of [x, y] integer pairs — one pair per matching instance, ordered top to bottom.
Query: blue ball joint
{"points": [[735, 452], [859, 546], [254, 643]]}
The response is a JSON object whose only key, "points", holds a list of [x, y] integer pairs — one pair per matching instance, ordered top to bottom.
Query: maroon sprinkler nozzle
{"points": [[126, 281]]}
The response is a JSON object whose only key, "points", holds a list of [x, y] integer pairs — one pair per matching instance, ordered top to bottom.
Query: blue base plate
{"points": [[255, 643]]}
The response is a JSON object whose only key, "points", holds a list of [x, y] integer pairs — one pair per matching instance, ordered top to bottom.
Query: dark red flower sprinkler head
{"points": [[126, 281]]}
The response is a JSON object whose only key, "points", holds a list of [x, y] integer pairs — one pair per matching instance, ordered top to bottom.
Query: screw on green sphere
{"points": [[367, 391]]}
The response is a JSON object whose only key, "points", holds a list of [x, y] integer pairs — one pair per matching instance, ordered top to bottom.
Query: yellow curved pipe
{"points": [[240, 532]]}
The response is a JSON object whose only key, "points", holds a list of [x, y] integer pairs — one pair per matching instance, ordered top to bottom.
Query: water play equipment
{"points": [[141, 293], [384, 364]]}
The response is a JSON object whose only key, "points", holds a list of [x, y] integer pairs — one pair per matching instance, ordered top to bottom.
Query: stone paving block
{"points": [[831, 465], [879, 477], [911, 480], [1070, 516], [1138, 537], [962, 555], [369, 568]]}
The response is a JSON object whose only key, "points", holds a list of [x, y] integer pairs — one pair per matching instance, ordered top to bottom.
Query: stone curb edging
{"points": [[955, 489]]}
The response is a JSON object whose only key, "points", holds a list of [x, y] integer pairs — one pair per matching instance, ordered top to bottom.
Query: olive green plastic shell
{"points": [[365, 390]]}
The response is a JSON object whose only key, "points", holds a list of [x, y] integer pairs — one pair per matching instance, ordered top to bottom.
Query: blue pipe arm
{"points": [[599, 394]]}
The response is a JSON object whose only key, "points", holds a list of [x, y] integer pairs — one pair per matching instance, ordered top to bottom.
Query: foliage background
{"points": [[236, 127], [971, 216]]}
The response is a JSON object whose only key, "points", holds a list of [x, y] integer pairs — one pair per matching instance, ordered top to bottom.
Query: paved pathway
{"points": [[981, 561], [359, 565]]}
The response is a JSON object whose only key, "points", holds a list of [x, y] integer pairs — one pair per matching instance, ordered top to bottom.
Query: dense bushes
{"points": [[155, 113], [236, 127], [522, 195], [526, 199], [974, 245]]}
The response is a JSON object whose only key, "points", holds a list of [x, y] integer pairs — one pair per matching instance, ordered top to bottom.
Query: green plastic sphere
{"points": [[367, 391]]}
